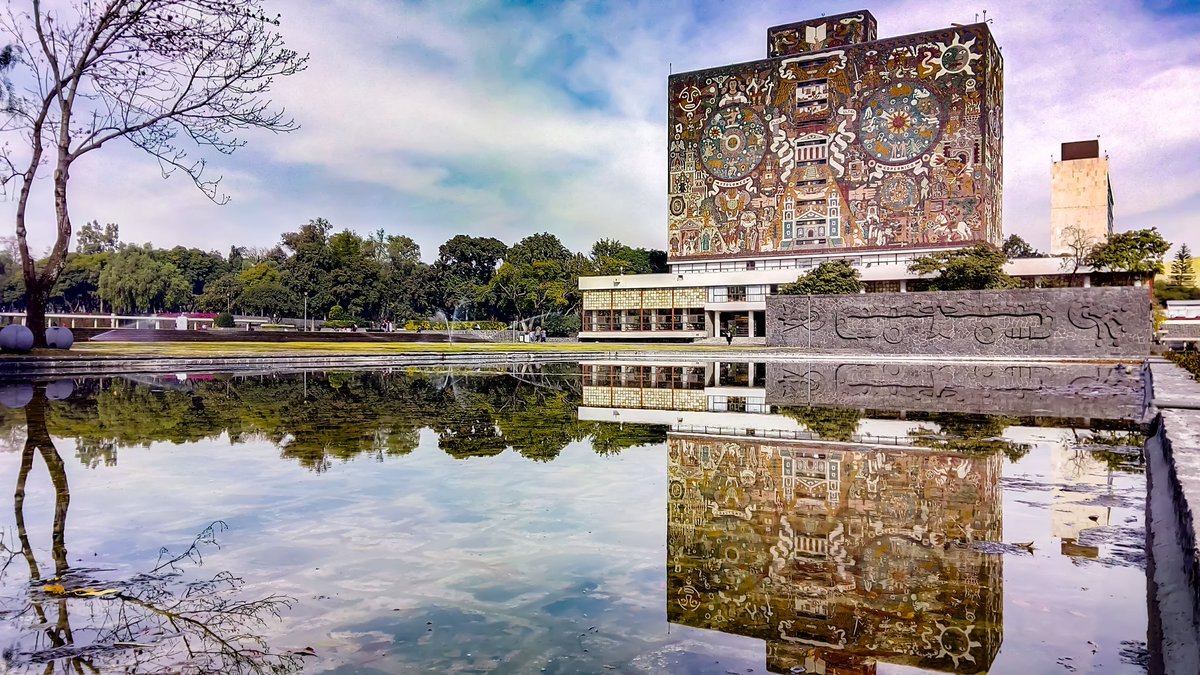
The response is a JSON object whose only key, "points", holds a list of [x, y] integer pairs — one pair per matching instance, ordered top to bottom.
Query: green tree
{"points": [[168, 78], [95, 239], [1016, 247], [1135, 251], [609, 257], [197, 266], [979, 267], [1181, 267], [463, 269], [539, 276], [835, 277], [133, 281], [76, 287], [222, 294]]}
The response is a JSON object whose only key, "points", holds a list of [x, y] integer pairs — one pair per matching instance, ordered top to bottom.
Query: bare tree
{"points": [[165, 75], [1079, 244], [167, 619]]}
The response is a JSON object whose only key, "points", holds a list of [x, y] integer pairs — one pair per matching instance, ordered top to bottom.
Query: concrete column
{"points": [[1087, 281], [904, 285]]}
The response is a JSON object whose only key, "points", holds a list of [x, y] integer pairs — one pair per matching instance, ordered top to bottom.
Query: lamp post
{"points": [[305, 310]]}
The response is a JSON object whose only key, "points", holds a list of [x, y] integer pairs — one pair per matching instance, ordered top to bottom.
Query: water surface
{"points": [[559, 519]]}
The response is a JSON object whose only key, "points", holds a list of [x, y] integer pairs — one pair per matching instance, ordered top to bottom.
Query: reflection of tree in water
{"points": [[318, 419], [833, 424], [969, 433], [76, 620]]}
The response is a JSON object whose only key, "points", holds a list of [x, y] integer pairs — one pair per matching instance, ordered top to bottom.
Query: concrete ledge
{"points": [[1173, 500]]}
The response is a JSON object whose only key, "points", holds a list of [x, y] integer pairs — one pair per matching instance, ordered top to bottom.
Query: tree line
{"points": [[981, 267], [376, 278], [532, 410]]}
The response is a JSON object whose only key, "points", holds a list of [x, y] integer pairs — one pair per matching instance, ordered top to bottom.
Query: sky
{"points": [[505, 119]]}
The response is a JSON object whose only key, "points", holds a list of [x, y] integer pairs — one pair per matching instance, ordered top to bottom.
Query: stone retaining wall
{"points": [[1100, 322], [1110, 391], [1172, 516]]}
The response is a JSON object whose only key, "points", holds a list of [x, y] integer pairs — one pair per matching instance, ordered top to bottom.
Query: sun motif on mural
{"points": [[956, 57], [899, 122], [733, 143], [955, 643]]}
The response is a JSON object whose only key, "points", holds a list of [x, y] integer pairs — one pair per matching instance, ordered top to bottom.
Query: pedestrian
{"points": [[729, 335]]}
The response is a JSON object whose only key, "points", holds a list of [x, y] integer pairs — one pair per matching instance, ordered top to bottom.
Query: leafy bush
{"points": [[980, 267], [836, 277], [338, 313], [223, 320], [347, 323], [454, 325], [561, 325], [1189, 361]]}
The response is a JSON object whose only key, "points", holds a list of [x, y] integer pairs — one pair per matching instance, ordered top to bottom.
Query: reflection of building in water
{"points": [[710, 385], [717, 397], [1078, 479], [836, 556]]}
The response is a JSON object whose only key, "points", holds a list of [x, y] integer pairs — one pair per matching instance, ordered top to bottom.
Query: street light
{"points": [[305, 310]]}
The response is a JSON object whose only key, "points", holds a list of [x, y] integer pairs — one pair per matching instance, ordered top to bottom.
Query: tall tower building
{"points": [[1080, 198]]}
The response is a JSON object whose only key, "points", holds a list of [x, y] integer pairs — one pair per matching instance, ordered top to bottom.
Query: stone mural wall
{"points": [[840, 141], [1085, 322], [1057, 390]]}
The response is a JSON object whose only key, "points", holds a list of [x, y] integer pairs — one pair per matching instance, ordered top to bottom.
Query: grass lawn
{"points": [[237, 349]]}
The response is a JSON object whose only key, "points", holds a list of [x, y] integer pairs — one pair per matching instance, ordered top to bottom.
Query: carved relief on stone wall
{"points": [[1069, 322]]}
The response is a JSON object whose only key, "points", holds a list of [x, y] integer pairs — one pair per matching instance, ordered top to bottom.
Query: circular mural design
{"points": [[899, 122], [733, 143], [898, 192], [678, 205]]}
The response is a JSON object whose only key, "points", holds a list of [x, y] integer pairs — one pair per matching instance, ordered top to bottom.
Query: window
{"points": [[736, 294]]}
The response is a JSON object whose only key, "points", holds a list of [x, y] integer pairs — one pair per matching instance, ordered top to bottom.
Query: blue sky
{"points": [[505, 119]]}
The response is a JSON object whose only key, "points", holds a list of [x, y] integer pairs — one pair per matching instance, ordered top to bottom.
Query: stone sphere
{"points": [[58, 337], [16, 338], [60, 390], [16, 395]]}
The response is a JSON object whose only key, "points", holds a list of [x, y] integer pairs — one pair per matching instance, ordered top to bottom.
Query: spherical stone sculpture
{"points": [[58, 337], [16, 338], [60, 390], [16, 395]]}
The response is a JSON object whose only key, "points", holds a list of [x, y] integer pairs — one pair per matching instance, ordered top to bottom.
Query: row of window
{"points": [[788, 263], [643, 319], [645, 377]]}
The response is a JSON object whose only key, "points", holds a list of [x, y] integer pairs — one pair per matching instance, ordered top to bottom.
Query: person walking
{"points": [[729, 334]]}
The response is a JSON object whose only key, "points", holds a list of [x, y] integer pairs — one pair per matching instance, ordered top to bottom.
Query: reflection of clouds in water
{"points": [[579, 540]]}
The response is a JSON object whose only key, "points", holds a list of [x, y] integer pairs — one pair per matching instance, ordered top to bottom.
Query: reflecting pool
{"points": [[624, 517]]}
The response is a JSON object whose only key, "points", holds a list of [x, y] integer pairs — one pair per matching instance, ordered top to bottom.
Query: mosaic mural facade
{"points": [[838, 142], [837, 557]]}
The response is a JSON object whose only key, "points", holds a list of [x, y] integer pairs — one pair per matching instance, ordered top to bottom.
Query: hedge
{"points": [[455, 325]]}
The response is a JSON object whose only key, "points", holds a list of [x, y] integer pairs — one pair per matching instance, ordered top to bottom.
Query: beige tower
{"points": [[1080, 198]]}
